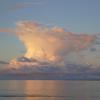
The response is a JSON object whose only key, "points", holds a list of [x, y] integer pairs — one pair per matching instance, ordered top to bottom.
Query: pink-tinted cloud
{"points": [[22, 5], [6, 30], [51, 44], [47, 46]]}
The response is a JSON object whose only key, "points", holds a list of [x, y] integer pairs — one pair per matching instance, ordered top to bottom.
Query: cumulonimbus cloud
{"points": [[50, 44], [47, 46]]}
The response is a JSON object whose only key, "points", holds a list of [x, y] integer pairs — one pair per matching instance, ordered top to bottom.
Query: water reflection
{"points": [[41, 88], [49, 90]]}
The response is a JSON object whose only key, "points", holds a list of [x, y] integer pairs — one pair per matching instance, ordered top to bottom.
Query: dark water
{"points": [[49, 90]]}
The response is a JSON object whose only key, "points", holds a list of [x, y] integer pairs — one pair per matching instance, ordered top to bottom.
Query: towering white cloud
{"points": [[50, 44]]}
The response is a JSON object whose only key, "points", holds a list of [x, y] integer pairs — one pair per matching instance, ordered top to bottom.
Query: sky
{"points": [[76, 16]]}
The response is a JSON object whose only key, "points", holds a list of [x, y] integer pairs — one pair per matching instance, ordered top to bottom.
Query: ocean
{"points": [[49, 90]]}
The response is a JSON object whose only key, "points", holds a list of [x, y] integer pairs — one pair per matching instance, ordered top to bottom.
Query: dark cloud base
{"points": [[70, 72], [50, 76]]}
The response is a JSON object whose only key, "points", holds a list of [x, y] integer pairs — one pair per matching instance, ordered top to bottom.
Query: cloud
{"points": [[22, 5], [5, 30], [50, 44], [51, 47]]}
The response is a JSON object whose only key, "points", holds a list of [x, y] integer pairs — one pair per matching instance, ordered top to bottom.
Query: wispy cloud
{"points": [[22, 5], [6, 30]]}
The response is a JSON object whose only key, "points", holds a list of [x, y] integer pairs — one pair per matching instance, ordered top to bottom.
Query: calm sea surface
{"points": [[49, 90]]}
